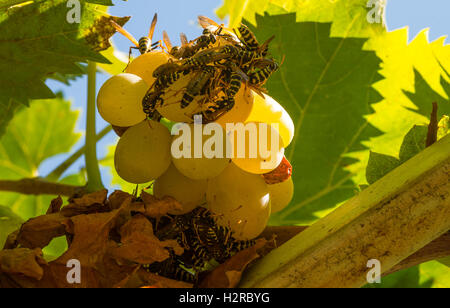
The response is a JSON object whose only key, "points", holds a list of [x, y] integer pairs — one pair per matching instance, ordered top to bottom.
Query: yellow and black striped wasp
{"points": [[144, 45]]}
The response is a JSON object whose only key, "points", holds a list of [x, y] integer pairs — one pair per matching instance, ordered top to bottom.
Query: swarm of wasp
{"points": [[218, 63], [203, 241]]}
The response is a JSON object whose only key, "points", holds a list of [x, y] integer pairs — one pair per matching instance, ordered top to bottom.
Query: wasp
{"points": [[215, 29], [248, 39], [144, 45], [186, 50], [199, 60], [260, 77], [197, 84], [153, 97], [171, 268]]}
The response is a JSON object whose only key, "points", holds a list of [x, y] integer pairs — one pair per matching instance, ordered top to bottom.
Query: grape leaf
{"points": [[349, 17], [37, 41], [327, 101], [41, 131], [414, 143], [379, 165], [9, 222], [436, 273], [407, 278]]}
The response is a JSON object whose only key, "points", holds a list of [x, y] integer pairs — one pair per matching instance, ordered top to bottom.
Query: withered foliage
{"points": [[112, 238]]}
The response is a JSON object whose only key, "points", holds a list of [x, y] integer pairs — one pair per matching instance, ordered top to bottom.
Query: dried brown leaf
{"points": [[98, 197], [117, 198], [55, 205], [157, 208], [38, 232], [140, 245], [23, 261]]}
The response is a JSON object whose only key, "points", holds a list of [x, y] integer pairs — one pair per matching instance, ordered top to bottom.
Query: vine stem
{"points": [[58, 171], [94, 180]]}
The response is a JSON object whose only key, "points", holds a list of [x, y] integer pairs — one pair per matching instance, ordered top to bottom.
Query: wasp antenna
{"points": [[152, 27], [125, 33]]}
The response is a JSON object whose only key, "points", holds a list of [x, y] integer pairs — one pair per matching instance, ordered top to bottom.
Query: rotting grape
{"points": [[119, 100], [143, 152], [241, 201]]}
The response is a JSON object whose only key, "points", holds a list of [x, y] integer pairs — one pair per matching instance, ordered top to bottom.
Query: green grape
{"points": [[145, 65], [172, 96], [119, 100], [241, 110], [270, 111], [257, 149], [143, 152], [211, 162], [190, 193], [281, 194], [241, 201]]}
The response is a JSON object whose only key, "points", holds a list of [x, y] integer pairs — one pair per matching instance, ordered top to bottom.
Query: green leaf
{"points": [[349, 17], [38, 42], [424, 96], [328, 98], [39, 132], [414, 143], [379, 165], [9, 222], [436, 273], [407, 278]]}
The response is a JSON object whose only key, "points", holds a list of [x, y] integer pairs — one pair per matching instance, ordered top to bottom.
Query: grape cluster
{"points": [[231, 186]]}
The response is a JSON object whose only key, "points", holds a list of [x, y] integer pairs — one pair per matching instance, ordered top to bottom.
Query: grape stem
{"points": [[94, 180]]}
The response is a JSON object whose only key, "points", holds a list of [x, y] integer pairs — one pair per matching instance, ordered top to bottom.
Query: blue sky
{"points": [[176, 16]]}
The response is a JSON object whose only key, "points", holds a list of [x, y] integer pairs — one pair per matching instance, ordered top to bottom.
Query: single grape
{"points": [[145, 65], [119, 100], [171, 107], [242, 108], [269, 111], [257, 147], [211, 151], [143, 152], [190, 193], [281, 194], [241, 201]]}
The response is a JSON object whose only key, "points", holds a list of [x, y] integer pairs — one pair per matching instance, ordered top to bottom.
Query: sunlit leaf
{"points": [[39, 41], [325, 84], [39, 132]]}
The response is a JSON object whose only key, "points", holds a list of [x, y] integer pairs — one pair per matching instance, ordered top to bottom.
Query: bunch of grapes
{"points": [[241, 190]]}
